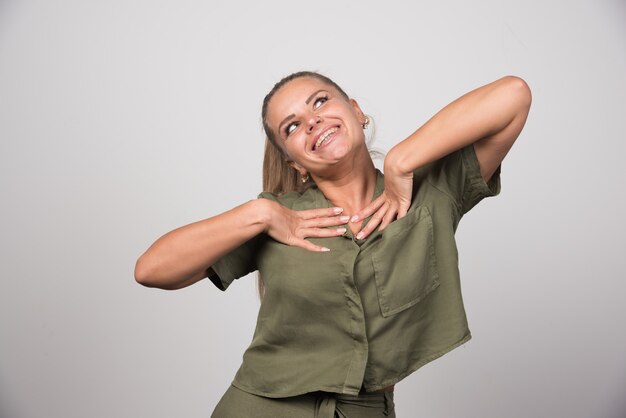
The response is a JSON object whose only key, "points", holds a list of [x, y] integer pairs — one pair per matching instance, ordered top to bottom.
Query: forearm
{"points": [[480, 113], [187, 252]]}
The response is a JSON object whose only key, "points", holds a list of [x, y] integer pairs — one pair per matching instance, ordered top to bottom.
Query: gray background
{"points": [[120, 121]]}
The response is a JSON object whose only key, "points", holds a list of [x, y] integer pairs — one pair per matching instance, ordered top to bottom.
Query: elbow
{"points": [[520, 90], [143, 274], [146, 275]]}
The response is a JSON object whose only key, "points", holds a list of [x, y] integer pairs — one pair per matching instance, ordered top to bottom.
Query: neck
{"points": [[351, 188]]}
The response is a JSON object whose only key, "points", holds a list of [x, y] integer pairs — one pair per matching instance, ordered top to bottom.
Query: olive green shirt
{"points": [[368, 312]]}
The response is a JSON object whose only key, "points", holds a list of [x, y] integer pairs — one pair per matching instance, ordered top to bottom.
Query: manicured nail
{"points": [[338, 210], [344, 218], [354, 218], [341, 230], [360, 235], [325, 249]]}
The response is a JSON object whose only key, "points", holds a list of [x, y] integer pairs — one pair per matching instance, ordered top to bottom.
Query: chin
{"points": [[339, 152]]}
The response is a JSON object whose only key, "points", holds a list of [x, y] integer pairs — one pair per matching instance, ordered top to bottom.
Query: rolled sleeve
{"points": [[458, 175], [476, 189], [235, 264]]}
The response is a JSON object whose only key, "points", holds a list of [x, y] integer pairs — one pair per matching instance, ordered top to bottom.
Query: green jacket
{"points": [[368, 312]]}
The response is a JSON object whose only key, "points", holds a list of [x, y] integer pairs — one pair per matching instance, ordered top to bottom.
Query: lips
{"points": [[323, 137]]}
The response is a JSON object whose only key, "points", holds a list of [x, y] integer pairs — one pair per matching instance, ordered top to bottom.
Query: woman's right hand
{"points": [[291, 227]]}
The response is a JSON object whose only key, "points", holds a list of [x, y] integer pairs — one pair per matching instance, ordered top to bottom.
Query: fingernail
{"points": [[338, 210], [344, 218], [354, 218], [341, 230], [360, 235], [325, 249]]}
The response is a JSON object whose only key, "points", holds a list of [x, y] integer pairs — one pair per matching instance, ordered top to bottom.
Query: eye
{"points": [[321, 100], [290, 128]]}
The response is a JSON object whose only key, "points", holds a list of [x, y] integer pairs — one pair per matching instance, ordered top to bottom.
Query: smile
{"points": [[324, 136]]}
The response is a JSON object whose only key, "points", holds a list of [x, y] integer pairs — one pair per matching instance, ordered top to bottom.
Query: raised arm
{"points": [[490, 117], [184, 256]]}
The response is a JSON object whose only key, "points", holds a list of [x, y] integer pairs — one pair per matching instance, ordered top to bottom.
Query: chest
{"points": [[399, 262]]}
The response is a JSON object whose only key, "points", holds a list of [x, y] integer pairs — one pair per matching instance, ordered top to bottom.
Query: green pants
{"points": [[236, 403]]}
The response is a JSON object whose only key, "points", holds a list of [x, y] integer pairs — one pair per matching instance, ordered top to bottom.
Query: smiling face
{"points": [[315, 125]]}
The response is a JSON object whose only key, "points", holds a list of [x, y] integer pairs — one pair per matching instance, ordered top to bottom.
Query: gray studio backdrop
{"points": [[120, 121]]}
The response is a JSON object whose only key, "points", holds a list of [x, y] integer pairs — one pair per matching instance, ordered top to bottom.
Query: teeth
{"points": [[324, 136]]}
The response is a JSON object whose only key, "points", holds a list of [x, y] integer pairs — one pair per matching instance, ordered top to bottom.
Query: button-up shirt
{"points": [[368, 312]]}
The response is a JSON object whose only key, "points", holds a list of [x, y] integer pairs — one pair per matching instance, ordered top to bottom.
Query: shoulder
{"points": [[458, 176], [283, 199], [308, 199]]}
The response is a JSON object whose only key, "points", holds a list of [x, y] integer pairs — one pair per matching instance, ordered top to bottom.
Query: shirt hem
{"points": [[418, 365], [331, 389], [334, 389]]}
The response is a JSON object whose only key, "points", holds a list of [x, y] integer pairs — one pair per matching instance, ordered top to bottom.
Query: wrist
{"points": [[395, 163], [260, 213]]}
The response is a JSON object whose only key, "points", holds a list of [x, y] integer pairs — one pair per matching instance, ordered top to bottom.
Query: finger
{"points": [[369, 209], [403, 211], [317, 213], [388, 218], [328, 221], [373, 222], [322, 232], [308, 245]]}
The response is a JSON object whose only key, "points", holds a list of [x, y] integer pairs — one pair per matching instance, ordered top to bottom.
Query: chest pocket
{"points": [[405, 266]]}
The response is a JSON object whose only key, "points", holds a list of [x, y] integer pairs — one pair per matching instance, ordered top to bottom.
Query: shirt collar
{"points": [[314, 198]]}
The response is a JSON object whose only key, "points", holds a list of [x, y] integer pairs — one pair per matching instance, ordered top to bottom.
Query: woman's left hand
{"points": [[394, 200]]}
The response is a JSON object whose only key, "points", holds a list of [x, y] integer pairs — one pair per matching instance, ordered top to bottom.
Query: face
{"points": [[315, 125]]}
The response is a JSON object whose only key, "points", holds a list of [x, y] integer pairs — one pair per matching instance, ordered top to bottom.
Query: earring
{"points": [[367, 122], [305, 177]]}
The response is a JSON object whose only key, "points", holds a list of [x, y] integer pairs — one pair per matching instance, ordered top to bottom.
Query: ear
{"points": [[358, 110], [297, 166]]}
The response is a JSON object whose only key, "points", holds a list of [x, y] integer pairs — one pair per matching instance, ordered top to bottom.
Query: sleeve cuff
{"points": [[476, 188], [222, 275]]}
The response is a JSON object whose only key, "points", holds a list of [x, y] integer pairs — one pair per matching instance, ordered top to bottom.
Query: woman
{"points": [[358, 270]]}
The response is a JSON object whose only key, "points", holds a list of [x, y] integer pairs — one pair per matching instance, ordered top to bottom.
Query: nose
{"points": [[314, 120]]}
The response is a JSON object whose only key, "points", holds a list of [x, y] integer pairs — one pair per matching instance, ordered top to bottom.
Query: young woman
{"points": [[358, 271]]}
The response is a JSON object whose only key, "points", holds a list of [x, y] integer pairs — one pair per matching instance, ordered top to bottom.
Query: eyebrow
{"points": [[307, 101]]}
